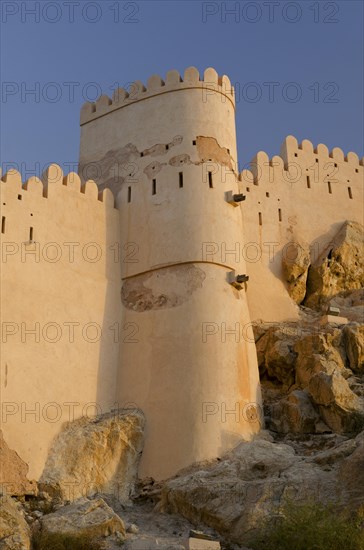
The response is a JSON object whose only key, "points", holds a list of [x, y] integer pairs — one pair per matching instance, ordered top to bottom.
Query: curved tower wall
{"points": [[186, 359]]}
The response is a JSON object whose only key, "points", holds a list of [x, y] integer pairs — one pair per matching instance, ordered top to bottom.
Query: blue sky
{"points": [[297, 66]]}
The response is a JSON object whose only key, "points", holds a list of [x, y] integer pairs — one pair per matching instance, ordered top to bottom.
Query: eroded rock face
{"points": [[295, 263], [340, 268], [354, 345], [318, 352], [276, 355], [307, 384], [341, 409], [296, 414], [98, 455], [13, 472], [351, 474], [235, 495], [84, 517], [14, 530]]}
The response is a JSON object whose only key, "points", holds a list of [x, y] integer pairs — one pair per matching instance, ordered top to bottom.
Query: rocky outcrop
{"points": [[295, 263], [339, 268], [350, 304], [354, 346], [319, 351], [276, 355], [307, 384], [340, 408], [295, 413], [98, 455], [13, 472], [351, 474], [248, 486], [93, 518], [14, 530]]}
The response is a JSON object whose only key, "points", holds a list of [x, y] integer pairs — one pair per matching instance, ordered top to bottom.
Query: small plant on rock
{"points": [[311, 526], [60, 541]]}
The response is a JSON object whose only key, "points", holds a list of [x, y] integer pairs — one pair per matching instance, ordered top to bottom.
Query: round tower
{"points": [[187, 356]]}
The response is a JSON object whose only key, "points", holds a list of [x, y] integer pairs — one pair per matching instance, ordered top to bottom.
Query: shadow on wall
{"points": [[111, 329]]}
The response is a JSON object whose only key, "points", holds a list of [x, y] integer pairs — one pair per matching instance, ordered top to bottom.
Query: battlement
{"points": [[211, 82], [291, 148], [304, 155], [54, 181]]}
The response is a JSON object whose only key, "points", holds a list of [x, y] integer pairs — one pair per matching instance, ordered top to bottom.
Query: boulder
{"points": [[295, 264], [339, 268], [350, 304], [354, 346], [319, 352], [276, 355], [341, 408], [296, 414], [95, 455], [13, 472], [351, 474], [234, 496], [84, 517], [14, 530]]}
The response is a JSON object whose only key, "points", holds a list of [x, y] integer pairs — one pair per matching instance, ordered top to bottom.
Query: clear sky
{"points": [[297, 67]]}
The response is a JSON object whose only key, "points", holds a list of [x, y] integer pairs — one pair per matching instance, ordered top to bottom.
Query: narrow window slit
{"points": [[180, 179], [210, 180], [308, 182], [329, 186], [154, 187], [350, 193], [129, 194], [279, 214], [260, 218], [3, 224], [31, 234]]}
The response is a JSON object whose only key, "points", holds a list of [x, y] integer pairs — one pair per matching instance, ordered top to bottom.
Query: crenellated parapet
{"points": [[209, 84], [291, 149], [298, 158], [53, 182], [290, 190]]}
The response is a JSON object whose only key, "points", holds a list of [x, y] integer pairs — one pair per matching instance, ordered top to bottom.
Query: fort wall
{"points": [[303, 196], [59, 296]]}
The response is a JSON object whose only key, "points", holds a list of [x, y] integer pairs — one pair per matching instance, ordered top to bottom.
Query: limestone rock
{"points": [[295, 264], [340, 267], [350, 303], [354, 345], [318, 352], [275, 354], [340, 408], [296, 414], [95, 455], [13, 472], [351, 474], [235, 495], [84, 517], [14, 530]]}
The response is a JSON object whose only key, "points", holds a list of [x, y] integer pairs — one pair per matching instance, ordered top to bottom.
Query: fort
{"points": [[110, 276]]}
